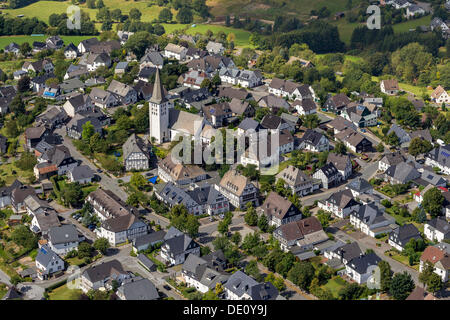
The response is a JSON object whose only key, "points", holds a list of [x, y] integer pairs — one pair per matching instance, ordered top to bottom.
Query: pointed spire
{"points": [[158, 96]]}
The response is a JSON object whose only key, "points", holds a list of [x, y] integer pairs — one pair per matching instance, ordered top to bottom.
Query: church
{"points": [[167, 123]]}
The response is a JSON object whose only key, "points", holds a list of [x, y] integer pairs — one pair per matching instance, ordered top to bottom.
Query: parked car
{"points": [[99, 170], [92, 227]]}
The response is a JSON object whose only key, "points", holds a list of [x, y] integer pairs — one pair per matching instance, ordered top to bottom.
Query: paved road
{"points": [[106, 182]]}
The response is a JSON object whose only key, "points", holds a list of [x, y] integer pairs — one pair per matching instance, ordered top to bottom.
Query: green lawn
{"points": [[42, 9], [412, 24], [345, 29], [242, 35], [9, 172], [402, 259], [334, 285], [3, 290], [64, 293]]}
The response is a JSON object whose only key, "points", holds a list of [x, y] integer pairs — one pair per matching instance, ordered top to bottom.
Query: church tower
{"points": [[159, 112]]}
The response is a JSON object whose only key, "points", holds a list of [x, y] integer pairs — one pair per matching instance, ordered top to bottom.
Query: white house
{"points": [[173, 51], [437, 229], [64, 239], [48, 263], [360, 269]]}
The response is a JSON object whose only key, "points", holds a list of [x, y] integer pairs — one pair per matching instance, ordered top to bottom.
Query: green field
{"points": [[42, 9], [264, 9], [412, 24], [241, 40], [4, 41], [64, 293]]}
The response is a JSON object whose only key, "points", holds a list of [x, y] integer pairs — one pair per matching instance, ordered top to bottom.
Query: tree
{"points": [[90, 4], [100, 4], [135, 14], [165, 15], [185, 15], [139, 42], [25, 49], [23, 85], [17, 106], [311, 121], [11, 129], [88, 131], [392, 139], [419, 146], [380, 147], [340, 148], [27, 161], [138, 180], [72, 194], [432, 202], [251, 217], [223, 225], [263, 225], [192, 226], [22, 236], [236, 238], [102, 245], [84, 250], [252, 269], [426, 273], [301, 274], [385, 275], [435, 283], [402, 285], [351, 291]]}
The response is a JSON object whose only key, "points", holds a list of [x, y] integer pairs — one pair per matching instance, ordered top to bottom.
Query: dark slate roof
{"points": [[271, 121], [249, 123], [312, 137], [441, 155], [329, 170], [82, 172], [403, 172], [360, 185], [7, 190], [342, 199], [369, 214], [441, 224], [405, 233], [63, 234], [149, 238], [178, 244], [349, 251], [46, 255], [146, 261], [361, 263], [104, 270], [240, 283], [138, 289], [263, 291]]}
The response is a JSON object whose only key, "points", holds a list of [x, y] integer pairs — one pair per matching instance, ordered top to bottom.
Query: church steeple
{"points": [[158, 96]]}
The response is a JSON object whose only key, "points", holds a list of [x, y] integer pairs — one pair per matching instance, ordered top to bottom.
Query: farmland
{"points": [[4, 41]]}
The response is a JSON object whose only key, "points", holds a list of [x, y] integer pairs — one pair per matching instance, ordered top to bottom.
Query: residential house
{"points": [[54, 42], [86, 45], [38, 46], [12, 47], [215, 47], [173, 51], [71, 52], [152, 59], [96, 60], [210, 64], [44, 66], [121, 67], [243, 78], [72, 85], [389, 87], [290, 89], [125, 93], [230, 93], [440, 96], [103, 99], [78, 103], [275, 103], [337, 103], [305, 107], [241, 108], [218, 114], [360, 115], [275, 124], [339, 124], [74, 127], [34, 135], [402, 135], [314, 141], [355, 141], [136, 155], [58, 157], [439, 157], [389, 160], [342, 163], [178, 173], [401, 173], [81, 174], [328, 175], [297, 181], [359, 186], [238, 189], [6, 193], [18, 196], [341, 203], [107, 205], [279, 210], [370, 220], [43, 221], [122, 228], [437, 229], [302, 234], [400, 236], [152, 238], [64, 239], [174, 251], [344, 253], [439, 259], [48, 263], [360, 269], [199, 274], [101, 276], [243, 287], [137, 288]]}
